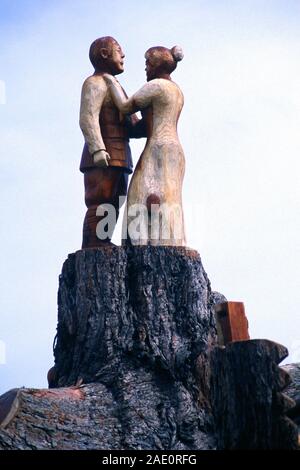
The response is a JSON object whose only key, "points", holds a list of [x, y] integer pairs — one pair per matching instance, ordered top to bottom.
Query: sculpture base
{"points": [[126, 307], [138, 320], [137, 365]]}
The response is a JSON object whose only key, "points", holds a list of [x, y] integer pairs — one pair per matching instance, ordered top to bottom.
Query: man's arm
{"points": [[92, 96]]}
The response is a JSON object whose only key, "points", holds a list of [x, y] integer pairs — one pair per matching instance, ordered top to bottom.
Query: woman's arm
{"points": [[141, 99], [125, 105]]}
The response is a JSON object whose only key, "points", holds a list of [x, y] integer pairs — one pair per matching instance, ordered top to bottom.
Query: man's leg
{"points": [[101, 187], [121, 192], [120, 199]]}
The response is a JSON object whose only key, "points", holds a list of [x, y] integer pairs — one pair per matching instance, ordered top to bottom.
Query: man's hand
{"points": [[101, 158]]}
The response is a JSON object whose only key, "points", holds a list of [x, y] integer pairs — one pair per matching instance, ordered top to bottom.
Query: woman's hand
{"points": [[110, 79]]}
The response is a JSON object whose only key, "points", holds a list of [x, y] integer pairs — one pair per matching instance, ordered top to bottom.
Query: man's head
{"points": [[107, 56]]}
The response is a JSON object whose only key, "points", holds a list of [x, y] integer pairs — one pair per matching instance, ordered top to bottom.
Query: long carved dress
{"points": [[154, 213]]}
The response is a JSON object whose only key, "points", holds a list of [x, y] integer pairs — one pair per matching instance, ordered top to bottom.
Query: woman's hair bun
{"points": [[177, 53]]}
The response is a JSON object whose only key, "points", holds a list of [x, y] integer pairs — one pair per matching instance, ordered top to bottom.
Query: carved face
{"points": [[115, 59], [151, 67]]}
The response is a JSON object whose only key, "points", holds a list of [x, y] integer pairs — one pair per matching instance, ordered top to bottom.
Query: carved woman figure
{"points": [[154, 212]]}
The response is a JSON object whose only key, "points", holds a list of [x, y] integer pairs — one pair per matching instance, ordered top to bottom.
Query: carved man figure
{"points": [[106, 159]]}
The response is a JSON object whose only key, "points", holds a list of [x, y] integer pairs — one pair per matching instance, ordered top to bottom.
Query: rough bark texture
{"points": [[143, 306], [138, 321], [134, 358], [293, 391], [248, 406], [85, 417], [91, 417]]}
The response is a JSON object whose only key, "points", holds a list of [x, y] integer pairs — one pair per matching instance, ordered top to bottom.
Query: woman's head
{"points": [[161, 61]]}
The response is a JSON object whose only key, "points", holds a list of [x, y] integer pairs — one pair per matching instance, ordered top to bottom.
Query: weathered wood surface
{"points": [[120, 308], [232, 323], [134, 324], [136, 335], [293, 391], [247, 400], [93, 416], [85, 417]]}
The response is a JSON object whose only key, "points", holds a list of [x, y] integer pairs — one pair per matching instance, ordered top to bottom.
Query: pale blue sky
{"points": [[239, 129]]}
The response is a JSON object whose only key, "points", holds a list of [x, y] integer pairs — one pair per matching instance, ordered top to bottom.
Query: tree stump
{"points": [[119, 307], [139, 320], [137, 365], [293, 391], [247, 400]]}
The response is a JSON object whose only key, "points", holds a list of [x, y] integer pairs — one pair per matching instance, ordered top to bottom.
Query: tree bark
{"points": [[143, 306], [133, 323], [137, 365], [293, 391], [247, 400]]}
